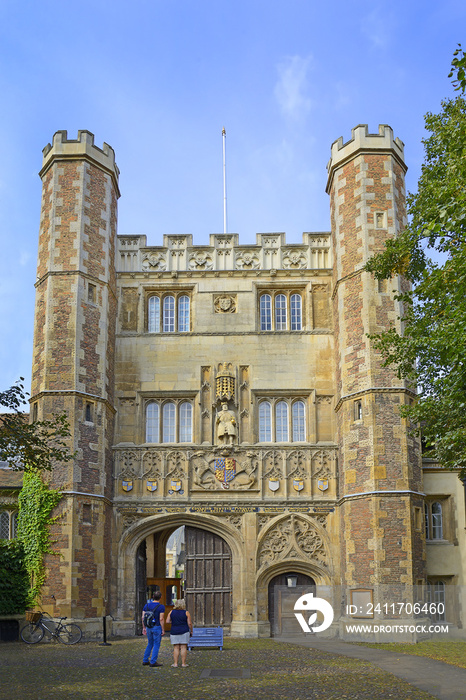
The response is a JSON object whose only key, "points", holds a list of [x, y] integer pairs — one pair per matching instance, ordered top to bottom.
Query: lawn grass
{"points": [[451, 651]]}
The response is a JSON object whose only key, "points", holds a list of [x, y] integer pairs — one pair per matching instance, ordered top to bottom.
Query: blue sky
{"points": [[158, 80]]}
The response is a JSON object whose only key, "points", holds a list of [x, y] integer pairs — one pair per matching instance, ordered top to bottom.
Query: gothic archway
{"points": [[219, 545]]}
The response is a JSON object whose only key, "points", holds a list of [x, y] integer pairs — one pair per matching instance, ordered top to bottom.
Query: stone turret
{"points": [[73, 357], [380, 470]]}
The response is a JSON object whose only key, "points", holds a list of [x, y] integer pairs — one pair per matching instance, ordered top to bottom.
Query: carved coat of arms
{"points": [[225, 470], [298, 484], [126, 485], [151, 485]]}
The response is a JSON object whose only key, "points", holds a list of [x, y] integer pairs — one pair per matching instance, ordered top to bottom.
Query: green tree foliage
{"points": [[431, 352], [30, 446], [36, 503], [14, 578]]}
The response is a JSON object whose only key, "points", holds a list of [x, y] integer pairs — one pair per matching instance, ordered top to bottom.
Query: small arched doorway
{"points": [[284, 590]]}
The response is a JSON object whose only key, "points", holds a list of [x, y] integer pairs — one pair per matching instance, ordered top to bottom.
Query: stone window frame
{"points": [[380, 220], [274, 292], [178, 296], [290, 399], [89, 412], [358, 414], [161, 424], [438, 522], [8, 525], [441, 589]]}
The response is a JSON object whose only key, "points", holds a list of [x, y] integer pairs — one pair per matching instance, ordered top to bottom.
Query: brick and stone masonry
{"points": [[73, 359], [380, 462]]}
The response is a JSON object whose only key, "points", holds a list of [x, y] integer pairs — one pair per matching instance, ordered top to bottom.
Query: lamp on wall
{"points": [[291, 581]]}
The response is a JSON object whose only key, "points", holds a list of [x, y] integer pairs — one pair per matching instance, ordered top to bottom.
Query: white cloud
{"points": [[377, 26], [292, 85]]}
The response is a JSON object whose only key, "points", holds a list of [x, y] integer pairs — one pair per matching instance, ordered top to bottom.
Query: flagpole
{"points": [[224, 135]]}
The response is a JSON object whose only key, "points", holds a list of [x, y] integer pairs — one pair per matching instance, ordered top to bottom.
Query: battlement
{"points": [[362, 141], [63, 148], [224, 252]]}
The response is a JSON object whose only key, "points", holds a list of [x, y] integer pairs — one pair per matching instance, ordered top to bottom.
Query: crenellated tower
{"points": [[73, 358], [380, 466]]}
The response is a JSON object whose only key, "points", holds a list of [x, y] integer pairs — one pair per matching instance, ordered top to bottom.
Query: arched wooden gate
{"points": [[207, 578]]}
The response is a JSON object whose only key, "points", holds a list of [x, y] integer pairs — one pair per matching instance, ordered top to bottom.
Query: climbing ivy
{"points": [[36, 502], [14, 579]]}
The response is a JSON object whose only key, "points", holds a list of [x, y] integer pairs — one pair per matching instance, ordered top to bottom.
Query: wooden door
{"points": [[207, 578], [141, 586], [281, 603]]}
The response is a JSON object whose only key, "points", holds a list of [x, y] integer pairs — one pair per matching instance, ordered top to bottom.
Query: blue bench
{"points": [[206, 637]]}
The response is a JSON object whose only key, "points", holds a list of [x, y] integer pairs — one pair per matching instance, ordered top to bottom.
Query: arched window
{"points": [[295, 309], [266, 312], [280, 312], [169, 314], [183, 314], [153, 315], [281, 421], [298, 421], [169, 422], [186, 422], [265, 422], [152, 423], [14, 524], [437, 524], [4, 525]]}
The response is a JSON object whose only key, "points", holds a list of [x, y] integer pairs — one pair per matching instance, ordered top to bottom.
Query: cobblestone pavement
{"points": [[89, 671]]}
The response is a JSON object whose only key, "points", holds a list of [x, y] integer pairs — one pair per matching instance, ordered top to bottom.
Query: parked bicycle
{"points": [[40, 624]]}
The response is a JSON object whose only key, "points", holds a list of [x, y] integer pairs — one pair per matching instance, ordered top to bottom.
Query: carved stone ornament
{"points": [[294, 259], [201, 260], [247, 260], [154, 261], [225, 303], [225, 382], [323, 465], [129, 466], [221, 473], [235, 520], [293, 537]]}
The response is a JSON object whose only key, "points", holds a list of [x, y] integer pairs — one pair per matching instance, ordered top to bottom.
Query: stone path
{"points": [[435, 677]]}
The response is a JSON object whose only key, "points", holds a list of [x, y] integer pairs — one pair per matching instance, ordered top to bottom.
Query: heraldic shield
{"points": [[225, 470], [298, 484], [126, 485], [151, 485], [176, 487]]}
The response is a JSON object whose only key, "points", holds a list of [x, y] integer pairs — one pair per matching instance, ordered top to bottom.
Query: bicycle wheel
{"points": [[32, 633], [70, 634]]}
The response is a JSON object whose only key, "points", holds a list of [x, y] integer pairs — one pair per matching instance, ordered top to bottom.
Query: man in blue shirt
{"points": [[155, 633]]}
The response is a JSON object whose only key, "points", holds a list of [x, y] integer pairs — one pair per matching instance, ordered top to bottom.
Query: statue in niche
{"points": [[226, 426]]}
